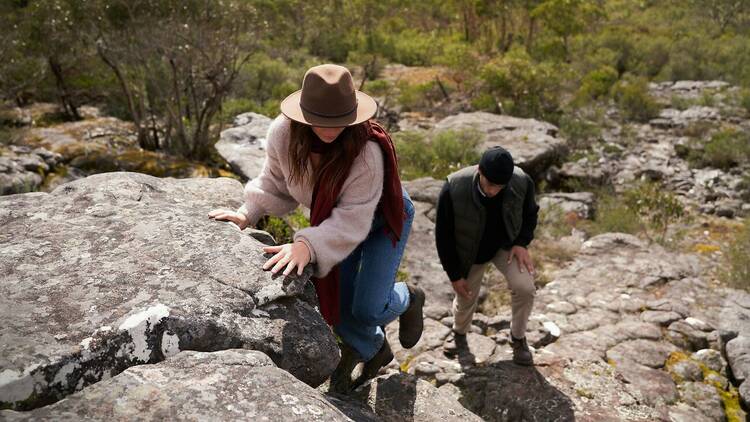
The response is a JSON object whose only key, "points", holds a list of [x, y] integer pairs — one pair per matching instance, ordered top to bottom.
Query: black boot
{"points": [[411, 322], [521, 353], [372, 366], [341, 379]]}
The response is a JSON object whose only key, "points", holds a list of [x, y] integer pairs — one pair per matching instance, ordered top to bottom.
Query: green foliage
{"points": [[597, 83], [524, 87], [420, 96], [632, 97], [745, 100], [580, 132], [724, 150], [447, 152], [656, 207], [644, 208], [612, 216], [282, 229], [737, 274]]}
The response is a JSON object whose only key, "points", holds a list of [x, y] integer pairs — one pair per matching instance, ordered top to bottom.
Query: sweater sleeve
{"points": [[267, 193], [530, 216], [351, 219], [445, 235]]}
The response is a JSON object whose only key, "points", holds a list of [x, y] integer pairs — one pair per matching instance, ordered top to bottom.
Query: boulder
{"points": [[534, 144], [243, 145], [425, 189], [579, 203], [122, 269], [225, 385]]}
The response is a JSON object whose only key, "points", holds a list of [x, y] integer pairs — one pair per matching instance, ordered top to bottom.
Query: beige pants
{"points": [[522, 289]]}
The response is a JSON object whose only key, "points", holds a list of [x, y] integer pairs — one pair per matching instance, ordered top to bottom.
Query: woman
{"points": [[325, 153]]}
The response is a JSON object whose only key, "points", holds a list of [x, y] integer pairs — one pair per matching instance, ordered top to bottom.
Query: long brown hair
{"points": [[334, 165]]}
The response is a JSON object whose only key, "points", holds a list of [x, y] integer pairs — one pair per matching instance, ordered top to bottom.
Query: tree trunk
{"points": [[68, 106]]}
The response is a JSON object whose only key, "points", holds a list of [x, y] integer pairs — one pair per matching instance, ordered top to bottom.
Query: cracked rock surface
{"points": [[121, 269]]}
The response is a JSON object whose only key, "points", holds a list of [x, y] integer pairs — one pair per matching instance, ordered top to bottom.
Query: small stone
{"points": [[564, 308], [663, 318], [698, 324], [711, 358], [687, 370]]}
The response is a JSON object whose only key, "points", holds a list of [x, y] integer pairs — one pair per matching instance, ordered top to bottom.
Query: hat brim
{"points": [[366, 109]]}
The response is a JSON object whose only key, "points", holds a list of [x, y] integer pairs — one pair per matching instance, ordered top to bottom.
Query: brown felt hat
{"points": [[328, 99]]}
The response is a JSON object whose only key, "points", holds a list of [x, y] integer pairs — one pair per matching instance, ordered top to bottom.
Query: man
{"points": [[487, 213]]}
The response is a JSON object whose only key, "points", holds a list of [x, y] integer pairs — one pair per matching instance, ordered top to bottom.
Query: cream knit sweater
{"points": [[336, 237]]}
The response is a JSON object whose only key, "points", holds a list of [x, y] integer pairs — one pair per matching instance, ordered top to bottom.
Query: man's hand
{"points": [[226, 215], [290, 255], [522, 257], [461, 287]]}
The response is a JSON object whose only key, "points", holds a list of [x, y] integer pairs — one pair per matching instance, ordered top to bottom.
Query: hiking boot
{"points": [[411, 322], [454, 344], [521, 353], [372, 366], [341, 379]]}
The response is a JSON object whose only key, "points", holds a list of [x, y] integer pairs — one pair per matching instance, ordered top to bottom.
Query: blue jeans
{"points": [[369, 295]]}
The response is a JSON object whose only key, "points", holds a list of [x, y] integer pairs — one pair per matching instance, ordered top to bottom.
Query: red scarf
{"points": [[391, 205]]}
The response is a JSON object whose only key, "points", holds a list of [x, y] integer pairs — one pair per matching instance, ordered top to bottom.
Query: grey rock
{"points": [[534, 144], [243, 146], [23, 169], [577, 172], [425, 189], [580, 203], [422, 264], [120, 269], [564, 308], [663, 318], [686, 336], [433, 337], [645, 352], [738, 356], [711, 358], [687, 370], [721, 381], [223, 385], [654, 386], [503, 391], [744, 391], [402, 397], [704, 398], [684, 413]]}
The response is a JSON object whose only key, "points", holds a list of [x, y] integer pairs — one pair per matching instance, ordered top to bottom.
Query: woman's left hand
{"points": [[292, 255]]}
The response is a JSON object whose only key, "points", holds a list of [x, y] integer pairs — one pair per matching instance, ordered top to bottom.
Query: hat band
{"points": [[350, 111]]}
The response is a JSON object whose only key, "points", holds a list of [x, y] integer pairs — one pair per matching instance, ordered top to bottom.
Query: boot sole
{"points": [[408, 343]]}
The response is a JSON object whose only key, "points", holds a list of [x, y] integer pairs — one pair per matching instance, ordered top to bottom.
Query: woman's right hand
{"points": [[235, 217]]}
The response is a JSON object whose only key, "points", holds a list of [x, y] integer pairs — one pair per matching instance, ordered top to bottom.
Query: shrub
{"points": [[597, 83], [524, 87], [418, 96], [745, 99], [634, 101], [579, 130], [725, 150], [447, 152], [656, 207], [612, 215], [737, 274]]}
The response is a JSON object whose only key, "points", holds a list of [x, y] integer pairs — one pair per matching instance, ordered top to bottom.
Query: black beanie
{"points": [[497, 165]]}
